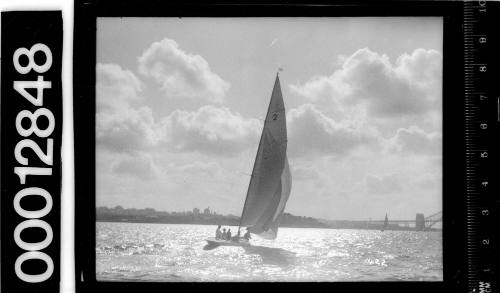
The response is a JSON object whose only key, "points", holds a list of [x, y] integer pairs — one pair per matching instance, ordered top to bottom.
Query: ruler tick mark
{"points": [[498, 109]]}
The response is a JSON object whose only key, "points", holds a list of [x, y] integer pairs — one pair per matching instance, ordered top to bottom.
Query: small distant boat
{"points": [[271, 181], [386, 222]]}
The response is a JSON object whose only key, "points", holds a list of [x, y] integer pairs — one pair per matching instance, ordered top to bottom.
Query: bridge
{"points": [[420, 223]]}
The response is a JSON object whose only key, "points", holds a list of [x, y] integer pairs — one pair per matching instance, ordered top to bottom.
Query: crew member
{"points": [[218, 233], [247, 234]]}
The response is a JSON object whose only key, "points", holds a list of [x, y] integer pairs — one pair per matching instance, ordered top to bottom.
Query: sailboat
{"points": [[271, 181], [386, 222]]}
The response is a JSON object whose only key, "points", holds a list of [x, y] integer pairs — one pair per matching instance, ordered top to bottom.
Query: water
{"points": [[174, 253]]}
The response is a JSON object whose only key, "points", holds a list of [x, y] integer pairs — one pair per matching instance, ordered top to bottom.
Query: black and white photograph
{"points": [[269, 149]]}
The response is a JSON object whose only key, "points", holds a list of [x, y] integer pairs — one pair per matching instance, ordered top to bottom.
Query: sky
{"points": [[181, 103]]}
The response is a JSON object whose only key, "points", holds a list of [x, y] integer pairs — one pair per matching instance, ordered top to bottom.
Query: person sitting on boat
{"points": [[218, 233], [224, 234], [228, 235], [247, 235]]}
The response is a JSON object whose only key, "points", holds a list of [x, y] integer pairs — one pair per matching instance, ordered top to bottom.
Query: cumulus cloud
{"points": [[422, 67], [181, 74], [115, 86], [410, 86], [120, 126], [125, 127], [127, 130], [210, 130], [311, 131], [415, 140], [140, 166], [382, 185]]}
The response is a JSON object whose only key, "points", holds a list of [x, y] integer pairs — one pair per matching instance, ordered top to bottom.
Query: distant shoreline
{"points": [[119, 214], [281, 226]]}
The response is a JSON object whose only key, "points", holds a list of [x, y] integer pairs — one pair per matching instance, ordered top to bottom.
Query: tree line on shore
{"points": [[206, 217], [209, 217]]}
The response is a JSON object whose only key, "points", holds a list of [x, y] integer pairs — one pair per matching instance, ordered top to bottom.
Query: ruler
{"points": [[482, 120]]}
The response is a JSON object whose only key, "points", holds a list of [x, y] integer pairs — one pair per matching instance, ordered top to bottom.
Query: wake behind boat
{"points": [[270, 182]]}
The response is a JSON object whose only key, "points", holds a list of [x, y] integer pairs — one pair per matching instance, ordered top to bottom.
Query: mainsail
{"points": [[271, 181], [386, 222]]}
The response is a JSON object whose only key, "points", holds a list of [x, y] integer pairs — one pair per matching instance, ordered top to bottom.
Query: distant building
{"points": [[196, 211], [207, 211], [419, 222]]}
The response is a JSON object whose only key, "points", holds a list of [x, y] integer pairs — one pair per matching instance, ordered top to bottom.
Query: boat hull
{"points": [[221, 242], [214, 243]]}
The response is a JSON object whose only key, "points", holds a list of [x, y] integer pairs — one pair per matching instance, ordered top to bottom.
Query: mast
{"points": [[260, 145], [385, 222]]}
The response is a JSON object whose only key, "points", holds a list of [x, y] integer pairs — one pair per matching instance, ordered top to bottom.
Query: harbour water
{"points": [[174, 253]]}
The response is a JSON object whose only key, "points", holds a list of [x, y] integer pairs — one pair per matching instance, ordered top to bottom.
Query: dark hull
{"points": [[213, 243]]}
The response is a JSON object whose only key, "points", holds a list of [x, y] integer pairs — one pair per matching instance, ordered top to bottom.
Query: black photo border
{"points": [[454, 237]]}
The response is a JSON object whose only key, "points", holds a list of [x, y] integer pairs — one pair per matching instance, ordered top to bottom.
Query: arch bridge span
{"points": [[420, 222]]}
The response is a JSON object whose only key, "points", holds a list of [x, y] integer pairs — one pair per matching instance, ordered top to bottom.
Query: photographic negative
{"points": [[317, 142]]}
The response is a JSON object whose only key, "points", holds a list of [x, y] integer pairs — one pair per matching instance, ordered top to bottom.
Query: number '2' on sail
{"points": [[271, 181]]}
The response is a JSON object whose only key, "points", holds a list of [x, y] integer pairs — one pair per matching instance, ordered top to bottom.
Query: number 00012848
{"points": [[28, 126]]}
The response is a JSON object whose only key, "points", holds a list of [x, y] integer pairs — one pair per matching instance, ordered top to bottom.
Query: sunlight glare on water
{"points": [[174, 253]]}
